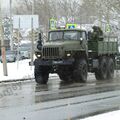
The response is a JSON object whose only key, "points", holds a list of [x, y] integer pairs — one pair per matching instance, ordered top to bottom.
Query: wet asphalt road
{"points": [[57, 100]]}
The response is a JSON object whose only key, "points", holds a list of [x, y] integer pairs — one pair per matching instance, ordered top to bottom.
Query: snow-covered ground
{"points": [[17, 70], [115, 115]]}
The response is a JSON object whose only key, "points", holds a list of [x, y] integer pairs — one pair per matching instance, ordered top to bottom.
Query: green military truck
{"points": [[72, 53]]}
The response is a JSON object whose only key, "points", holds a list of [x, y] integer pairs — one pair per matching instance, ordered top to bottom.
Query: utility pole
{"points": [[33, 7], [108, 12], [108, 15], [100, 16], [11, 27], [32, 32], [3, 51], [18, 56]]}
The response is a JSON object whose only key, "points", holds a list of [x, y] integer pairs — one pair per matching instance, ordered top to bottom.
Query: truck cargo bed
{"points": [[109, 45]]}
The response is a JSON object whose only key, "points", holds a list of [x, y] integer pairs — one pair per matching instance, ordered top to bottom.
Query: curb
{"points": [[18, 80]]}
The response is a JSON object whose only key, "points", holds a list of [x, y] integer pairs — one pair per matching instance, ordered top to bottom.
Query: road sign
{"points": [[71, 19], [25, 21], [61, 22], [52, 24], [71, 26], [107, 29]]}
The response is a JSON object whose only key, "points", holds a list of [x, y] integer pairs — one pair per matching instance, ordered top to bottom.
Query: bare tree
{"points": [[81, 12]]}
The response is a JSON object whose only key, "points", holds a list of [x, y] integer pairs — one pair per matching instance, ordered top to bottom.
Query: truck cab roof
{"points": [[66, 30]]}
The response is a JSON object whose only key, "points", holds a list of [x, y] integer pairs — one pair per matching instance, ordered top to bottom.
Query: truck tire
{"points": [[110, 68], [81, 71], [101, 72], [97, 75], [40, 77], [64, 77]]}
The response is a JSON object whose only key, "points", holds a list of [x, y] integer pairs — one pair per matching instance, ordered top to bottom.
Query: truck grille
{"points": [[50, 52]]}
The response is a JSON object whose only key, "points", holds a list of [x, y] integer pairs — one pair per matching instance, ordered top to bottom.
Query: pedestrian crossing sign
{"points": [[71, 26]]}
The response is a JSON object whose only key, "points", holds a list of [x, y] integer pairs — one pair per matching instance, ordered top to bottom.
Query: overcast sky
{"points": [[6, 5]]}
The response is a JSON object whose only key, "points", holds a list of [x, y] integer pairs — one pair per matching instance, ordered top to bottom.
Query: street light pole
{"points": [[33, 7], [108, 13], [100, 16], [11, 27], [32, 30], [3, 44]]}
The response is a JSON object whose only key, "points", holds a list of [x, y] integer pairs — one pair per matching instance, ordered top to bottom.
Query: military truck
{"points": [[72, 53]]}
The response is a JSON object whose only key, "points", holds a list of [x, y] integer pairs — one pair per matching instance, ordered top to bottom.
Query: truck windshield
{"points": [[63, 35], [70, 35], [53, 36]]}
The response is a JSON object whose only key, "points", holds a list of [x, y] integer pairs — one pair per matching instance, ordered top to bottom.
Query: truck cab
{"points": [[61, 53]]}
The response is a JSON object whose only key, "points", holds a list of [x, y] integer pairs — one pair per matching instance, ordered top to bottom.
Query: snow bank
{"points": [[17, 70], [106, 116]]}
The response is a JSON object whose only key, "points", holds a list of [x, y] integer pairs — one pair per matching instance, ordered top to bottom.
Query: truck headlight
{"points": [[68, 55], [38, 56]]}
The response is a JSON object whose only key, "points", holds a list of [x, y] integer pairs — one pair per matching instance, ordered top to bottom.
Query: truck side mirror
{"points": [[40, 37], [39, 45]]}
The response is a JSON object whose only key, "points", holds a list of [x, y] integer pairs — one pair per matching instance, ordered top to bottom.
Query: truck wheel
{"points": [[110, 68], [81, 71], [101, 73], [97, 75], [40, 77], [65, 77]]}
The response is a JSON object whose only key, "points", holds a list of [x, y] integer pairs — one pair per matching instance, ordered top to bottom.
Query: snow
{"points": [[17, 70], [115, 115]]}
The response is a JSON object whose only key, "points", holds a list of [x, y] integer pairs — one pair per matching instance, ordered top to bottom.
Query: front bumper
{"points": [[41, 62]]}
